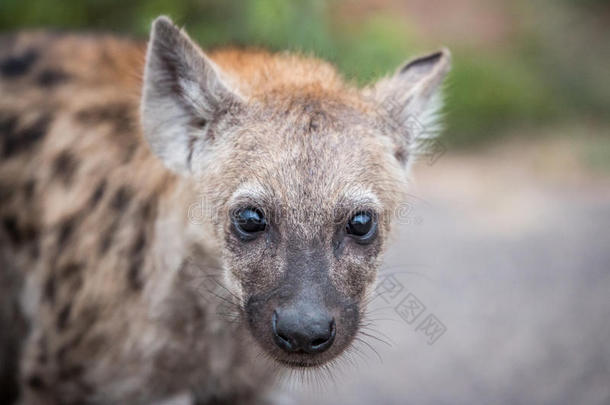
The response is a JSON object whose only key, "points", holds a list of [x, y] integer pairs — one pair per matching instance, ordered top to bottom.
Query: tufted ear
{"points": [[183, 92], [411, 99]]}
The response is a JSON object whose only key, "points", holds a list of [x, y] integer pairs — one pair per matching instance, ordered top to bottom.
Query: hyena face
{"points": [[301, 174]]}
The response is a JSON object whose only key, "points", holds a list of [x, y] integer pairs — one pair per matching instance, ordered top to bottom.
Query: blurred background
{"points": [[507, 243]]}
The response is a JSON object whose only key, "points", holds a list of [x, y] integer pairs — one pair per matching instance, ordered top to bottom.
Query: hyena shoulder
{"points": [[79, 192]]}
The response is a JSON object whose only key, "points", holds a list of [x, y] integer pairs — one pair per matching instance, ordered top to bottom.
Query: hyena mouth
{"points": [[300, 364]]}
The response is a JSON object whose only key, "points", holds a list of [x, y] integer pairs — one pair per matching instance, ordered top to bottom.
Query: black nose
{"points": [[300, 329]]}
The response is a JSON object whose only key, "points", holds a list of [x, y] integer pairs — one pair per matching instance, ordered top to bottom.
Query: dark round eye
{"points": [[249, 221], [362, 225]]}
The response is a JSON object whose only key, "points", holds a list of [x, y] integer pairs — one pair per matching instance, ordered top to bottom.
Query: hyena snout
{"points": [[304, 323], [303, 327]]}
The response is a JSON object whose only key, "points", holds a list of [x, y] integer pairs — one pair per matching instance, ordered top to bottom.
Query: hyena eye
{"points": [[249, 221], [362, 225]]}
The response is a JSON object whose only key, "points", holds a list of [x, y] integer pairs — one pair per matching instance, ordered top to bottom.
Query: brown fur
{"points": [[121, 289]]}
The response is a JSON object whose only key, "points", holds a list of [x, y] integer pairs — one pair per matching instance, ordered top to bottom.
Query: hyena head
{"points": [[302, 174]]}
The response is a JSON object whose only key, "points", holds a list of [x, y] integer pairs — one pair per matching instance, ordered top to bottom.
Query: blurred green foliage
{"points": [[490, 90]]}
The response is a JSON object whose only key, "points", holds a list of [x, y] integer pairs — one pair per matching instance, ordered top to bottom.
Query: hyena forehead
{"points": [[325, 173]]}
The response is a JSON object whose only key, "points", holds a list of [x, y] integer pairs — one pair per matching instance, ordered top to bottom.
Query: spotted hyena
{"points": [[199, 228]]}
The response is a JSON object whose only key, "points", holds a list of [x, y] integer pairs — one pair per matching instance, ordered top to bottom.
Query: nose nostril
{"points": [[283, 337], [280, 338], [319, 342], [324, 342]]}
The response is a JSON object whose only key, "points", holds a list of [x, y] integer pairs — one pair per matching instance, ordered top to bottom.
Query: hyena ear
{"points": [[183, 92], [411, 101]]}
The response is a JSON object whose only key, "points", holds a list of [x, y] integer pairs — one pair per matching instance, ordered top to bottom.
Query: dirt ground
{"points": [[495, 291]]}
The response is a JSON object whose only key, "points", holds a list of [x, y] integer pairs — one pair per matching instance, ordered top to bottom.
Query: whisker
{"points": [[378, 332], [376, 338], [370, 347]]}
